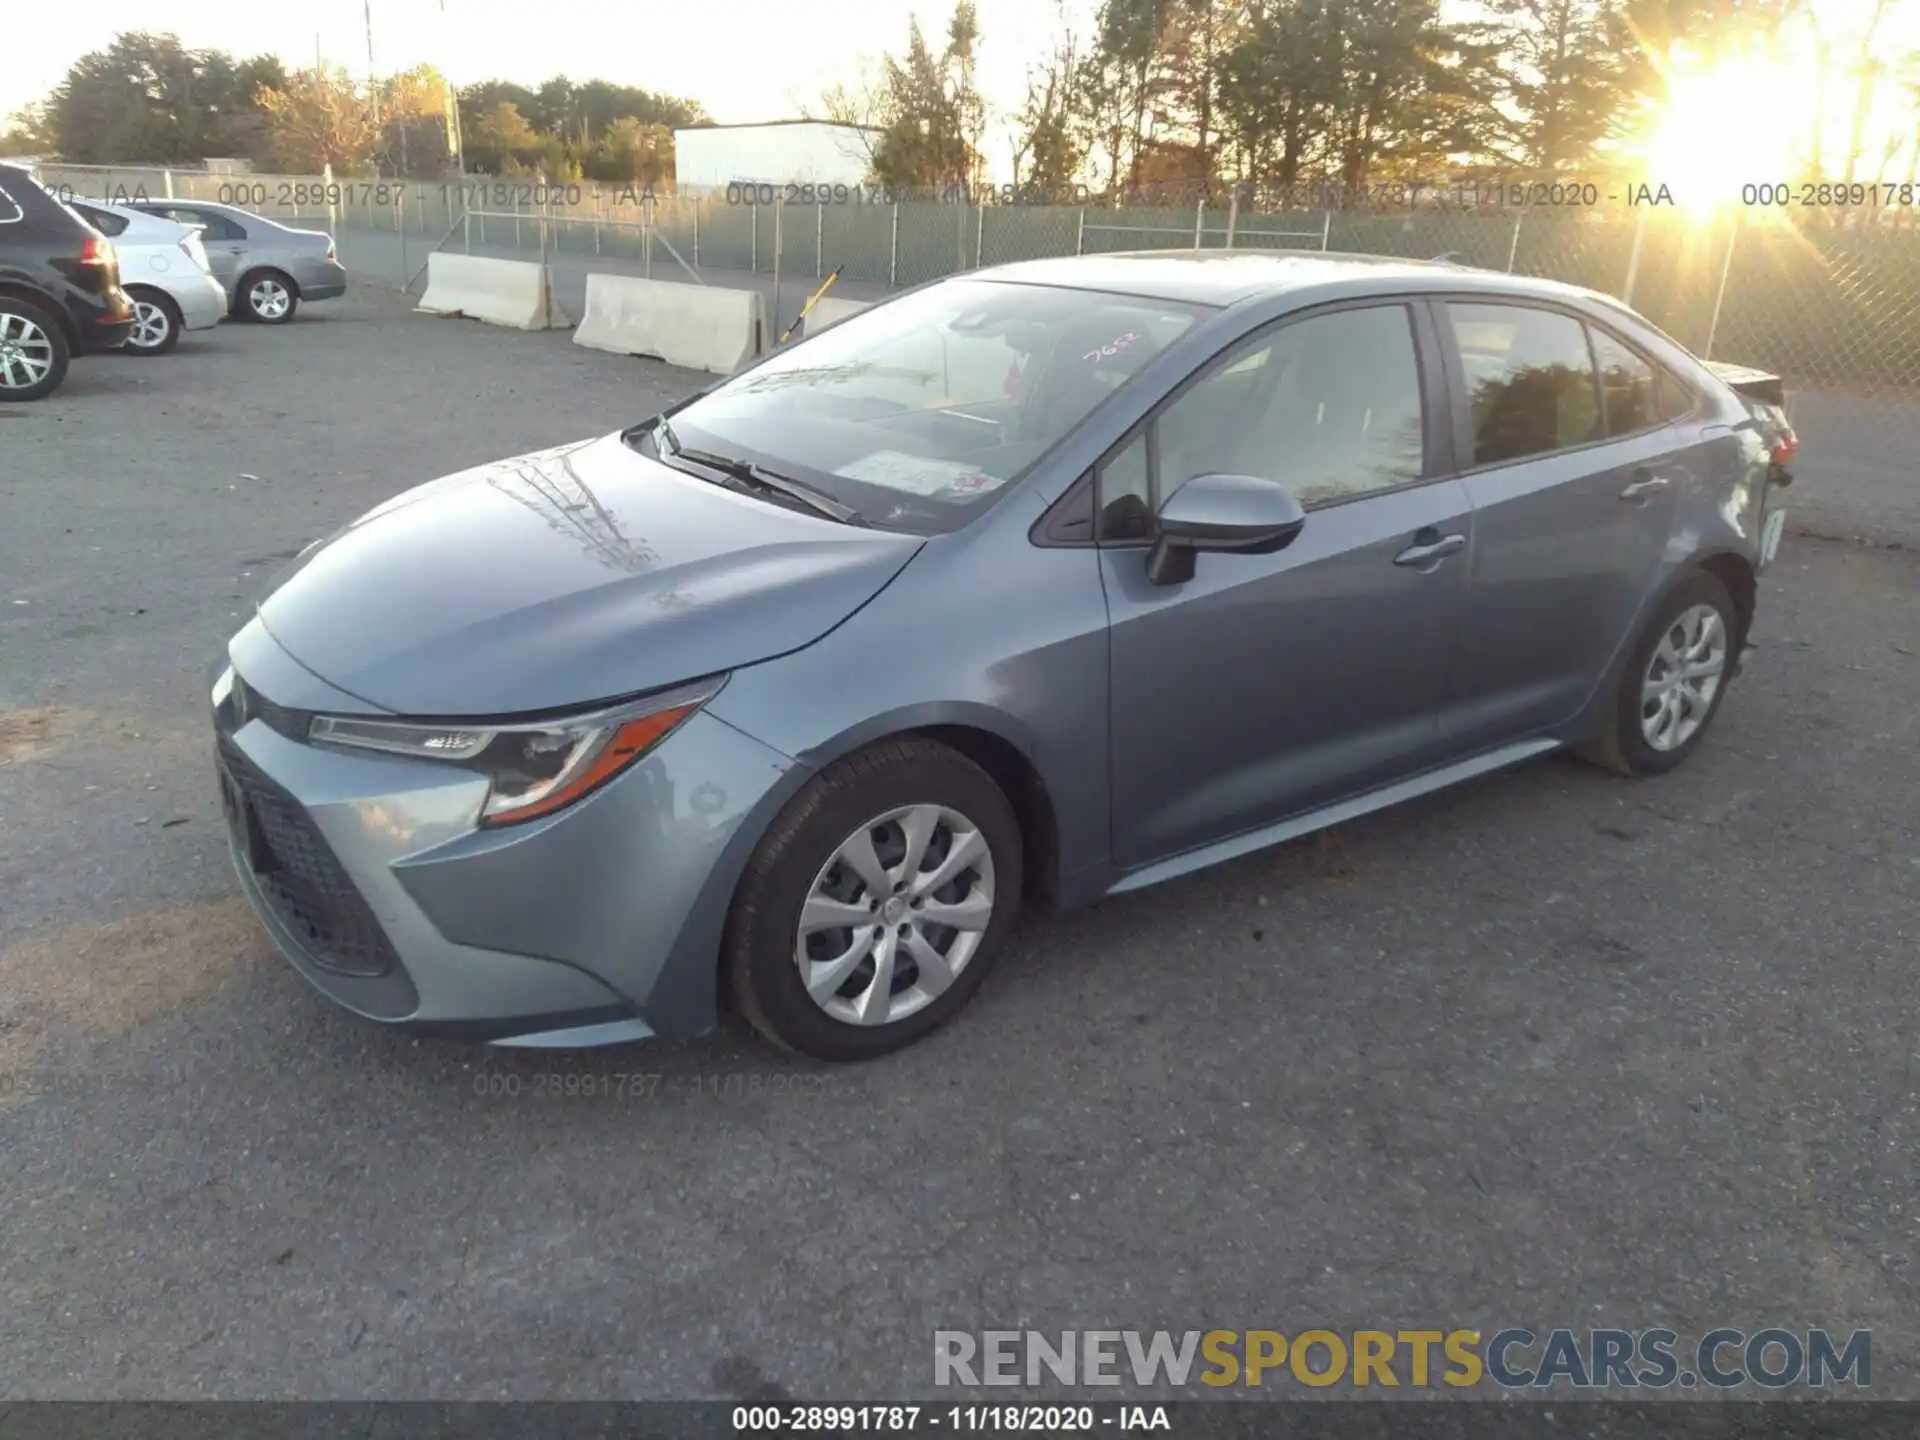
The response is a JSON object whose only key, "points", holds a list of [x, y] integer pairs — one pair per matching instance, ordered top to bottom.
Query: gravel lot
{"points": [[1554, 1049]]}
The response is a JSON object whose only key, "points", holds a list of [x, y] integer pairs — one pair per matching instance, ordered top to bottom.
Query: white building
{"points": [[778, 152]]}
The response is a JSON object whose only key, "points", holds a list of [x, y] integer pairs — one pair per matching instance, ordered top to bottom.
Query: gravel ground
{"points": [[1552, 1049]]}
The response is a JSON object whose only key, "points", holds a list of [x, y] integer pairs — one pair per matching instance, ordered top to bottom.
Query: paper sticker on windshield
{"points": [[916, 474]]}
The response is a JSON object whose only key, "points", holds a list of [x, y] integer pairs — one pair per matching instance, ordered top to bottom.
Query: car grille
{"points": [[295, 869]]}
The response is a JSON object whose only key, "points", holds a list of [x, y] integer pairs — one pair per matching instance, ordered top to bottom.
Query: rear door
{"points": [[1575, 471], [1269, 685]]}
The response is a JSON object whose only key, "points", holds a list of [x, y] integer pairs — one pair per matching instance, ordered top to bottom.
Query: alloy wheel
{"points": [[269, 299], [150, 326], [26, 352], [1684, 675], [895, 915]]}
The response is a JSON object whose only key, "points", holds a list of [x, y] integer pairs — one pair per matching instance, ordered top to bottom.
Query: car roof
{"points": [[182, 202], [1227, 277]]}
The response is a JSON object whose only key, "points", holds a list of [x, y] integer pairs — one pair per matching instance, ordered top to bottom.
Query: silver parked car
{"points": [[268, 268], [164, 270], [1048, 582]]}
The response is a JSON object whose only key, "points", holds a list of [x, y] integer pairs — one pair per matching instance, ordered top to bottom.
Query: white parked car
{"points": [[164, 269]]}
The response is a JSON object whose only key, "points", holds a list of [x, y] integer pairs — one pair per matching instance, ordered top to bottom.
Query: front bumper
{"points": [[597, 924]]}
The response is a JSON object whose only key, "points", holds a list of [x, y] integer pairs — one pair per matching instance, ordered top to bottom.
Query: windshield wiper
{"points": [[663, 431], [755, 478], [767, 482]]}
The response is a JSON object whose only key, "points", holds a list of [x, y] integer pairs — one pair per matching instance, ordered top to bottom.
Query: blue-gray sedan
{"points": [[1027, 587]]}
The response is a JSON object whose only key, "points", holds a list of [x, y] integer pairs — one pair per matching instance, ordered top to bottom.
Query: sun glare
{"points": [[1749, 115], [1738, 120]]}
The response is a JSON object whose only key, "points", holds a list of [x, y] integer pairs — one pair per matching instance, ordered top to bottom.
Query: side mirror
{"points": [[1237, 514]]}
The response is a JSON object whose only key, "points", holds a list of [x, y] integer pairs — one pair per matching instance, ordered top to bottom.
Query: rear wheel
{"points": [[269, 297], [156, 322], [33, 351], [1673, 685], [876, 903]]}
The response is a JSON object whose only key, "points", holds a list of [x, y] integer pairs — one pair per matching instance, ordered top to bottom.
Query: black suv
{"points": [[60, 289]]}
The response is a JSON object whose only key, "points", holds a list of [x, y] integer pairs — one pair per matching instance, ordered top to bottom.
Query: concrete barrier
{"points": [[514, 293], [699, 326]]}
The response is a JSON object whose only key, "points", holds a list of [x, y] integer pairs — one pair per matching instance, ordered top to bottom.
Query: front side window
{"points": [[1530, 381], [1329, 406], [920, 412], [1126, 492]]}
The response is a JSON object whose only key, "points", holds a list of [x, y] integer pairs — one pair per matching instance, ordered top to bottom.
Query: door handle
{"points": [[1645, 483], [1431, 553]]}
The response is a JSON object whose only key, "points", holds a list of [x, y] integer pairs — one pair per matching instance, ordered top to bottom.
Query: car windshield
{"points": [[919, 413]]}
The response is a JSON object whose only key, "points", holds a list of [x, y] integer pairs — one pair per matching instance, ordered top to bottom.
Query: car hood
{"points": [[566, 577]]}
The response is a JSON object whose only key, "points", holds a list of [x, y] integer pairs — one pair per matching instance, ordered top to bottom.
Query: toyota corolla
{"points": [[1020, 589]]}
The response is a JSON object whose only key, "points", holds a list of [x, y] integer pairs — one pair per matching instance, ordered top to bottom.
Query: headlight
{"points": [[537, 768]]}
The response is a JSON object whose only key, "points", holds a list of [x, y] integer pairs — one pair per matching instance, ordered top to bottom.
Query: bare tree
{"points": [[862, 103], [1044, 131]]}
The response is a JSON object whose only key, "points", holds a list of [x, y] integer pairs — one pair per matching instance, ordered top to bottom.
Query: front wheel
{"points": [[268, 297], [156, 323], [33, 351], [1673, 685], [876, 903]]}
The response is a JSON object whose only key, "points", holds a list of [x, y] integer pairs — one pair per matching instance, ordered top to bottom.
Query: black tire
{"points": [[250, 297], [169, 311], [47, 341], [1624, 746], [758, 953]]}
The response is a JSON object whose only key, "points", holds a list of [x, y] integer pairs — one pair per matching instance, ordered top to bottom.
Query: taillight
{"points": [[97, 251], [332, 257], [1785, 448]]}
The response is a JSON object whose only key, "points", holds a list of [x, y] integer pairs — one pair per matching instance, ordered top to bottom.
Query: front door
{"points": [[1268, 685]]}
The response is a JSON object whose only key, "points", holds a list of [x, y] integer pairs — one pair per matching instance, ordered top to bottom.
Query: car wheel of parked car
{"points": [[268, 296], [156, 322], [33, 351], [1673, 685], [876, 903]]}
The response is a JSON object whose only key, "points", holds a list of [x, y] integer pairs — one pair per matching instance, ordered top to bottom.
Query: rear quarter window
{"points": [[10, 211], [105, 223]]}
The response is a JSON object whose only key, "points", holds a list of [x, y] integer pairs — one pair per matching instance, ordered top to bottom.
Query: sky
{"points": [[744, 60]]}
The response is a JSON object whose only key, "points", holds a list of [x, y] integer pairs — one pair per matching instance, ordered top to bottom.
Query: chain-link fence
{"points": [[1835, 305]]}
